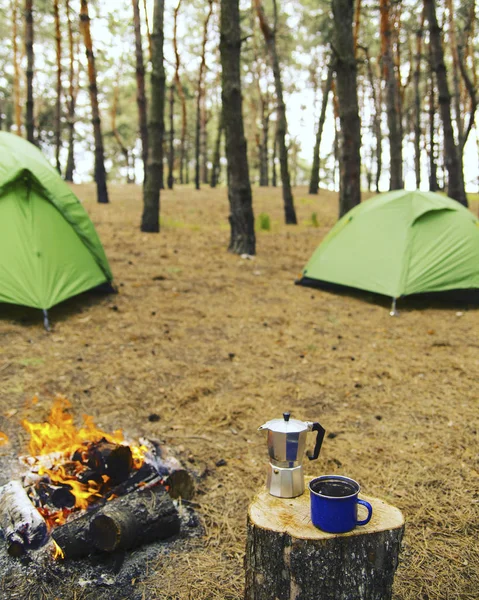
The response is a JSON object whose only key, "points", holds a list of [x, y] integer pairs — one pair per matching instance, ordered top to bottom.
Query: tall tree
{"points": [[269, 34], [16, 70], [140, 84], [346, 85], [72, 95], [181, 96], [392, 100], [417, 103], [58, 104], [29, 118], [200, 122], [171, 138], [215, 169], [100, 173], [130, 174], [314, 179], [433, 183], [456, 187], [150, 221], [242, 240]]}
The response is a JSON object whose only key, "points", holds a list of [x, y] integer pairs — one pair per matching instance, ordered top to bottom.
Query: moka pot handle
{"points": [[319, 440]]}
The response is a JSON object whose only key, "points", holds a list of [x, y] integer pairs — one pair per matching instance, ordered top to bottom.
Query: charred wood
{"points": [[114, 460], [135, 519]]}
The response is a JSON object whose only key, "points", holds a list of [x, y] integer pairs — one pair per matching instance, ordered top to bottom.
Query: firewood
{"points": [[114, 460], [179, 480], [139, 517], [135, 519], [22, 525], [73, 537]]}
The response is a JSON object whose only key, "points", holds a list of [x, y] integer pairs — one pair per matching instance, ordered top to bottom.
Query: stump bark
{"points": [[287, 558]]}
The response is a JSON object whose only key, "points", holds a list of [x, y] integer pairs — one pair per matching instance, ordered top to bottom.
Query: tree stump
{"points": [[287, 558]]}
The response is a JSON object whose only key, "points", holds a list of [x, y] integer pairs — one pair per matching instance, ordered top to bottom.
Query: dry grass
{"points": [[216, 345]]}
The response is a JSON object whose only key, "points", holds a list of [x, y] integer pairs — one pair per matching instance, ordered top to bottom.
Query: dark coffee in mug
{"points": [[333, 488], [334, 503]]}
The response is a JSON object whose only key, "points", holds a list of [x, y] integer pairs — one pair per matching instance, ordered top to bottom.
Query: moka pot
{"points": [[286, 446]]}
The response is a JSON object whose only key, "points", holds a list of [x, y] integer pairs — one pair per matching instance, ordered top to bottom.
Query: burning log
{"points": [[106, 458], [135, 519], [125, 522], [21, 523], [73, 537]]}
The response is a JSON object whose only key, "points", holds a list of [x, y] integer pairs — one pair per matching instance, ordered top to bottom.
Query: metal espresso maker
{"points": [[286, 444]]}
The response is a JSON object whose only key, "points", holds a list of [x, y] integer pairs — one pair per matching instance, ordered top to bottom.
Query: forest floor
{"points": [[215, 345]]}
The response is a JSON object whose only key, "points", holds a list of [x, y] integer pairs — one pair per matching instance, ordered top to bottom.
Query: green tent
{"points": [[400, 243], [49, 249]]}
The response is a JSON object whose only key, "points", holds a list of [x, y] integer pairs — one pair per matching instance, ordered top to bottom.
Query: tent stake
{"points": [[393, 312], [46, 322]]}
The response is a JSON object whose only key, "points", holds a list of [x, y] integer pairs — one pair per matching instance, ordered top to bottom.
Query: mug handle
{"points": [[370, 512]]}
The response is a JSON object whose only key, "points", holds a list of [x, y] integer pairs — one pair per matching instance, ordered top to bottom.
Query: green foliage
{"points": [[314, 220], [264, 222]]}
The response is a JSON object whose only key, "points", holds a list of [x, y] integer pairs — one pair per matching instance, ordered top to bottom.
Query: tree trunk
{"points": [[147, 23], [58, 45], [345, 66], [16, 70], [456, 76], [140, 85], [181, 95], [392, 100], [417, 104], [29, 119], [376, 123], [200, 124], [282, 125], [116, 134], [204, 144], [263, 146], [171, 150], [70, 167], [215, 170], [100, 173], [274, 174], [314, 180], [433, 185], [456, 187], [150, 221], [242, 240], [287, 557]]}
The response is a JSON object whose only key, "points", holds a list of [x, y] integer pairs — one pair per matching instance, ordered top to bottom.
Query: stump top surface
{"points": [[292, 516]]}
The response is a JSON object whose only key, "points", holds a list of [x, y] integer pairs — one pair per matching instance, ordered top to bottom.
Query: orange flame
{"points": [[60, 438], [58, 553]]}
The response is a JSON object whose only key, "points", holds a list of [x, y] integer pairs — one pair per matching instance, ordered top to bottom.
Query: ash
{"points": [[100, 576]]}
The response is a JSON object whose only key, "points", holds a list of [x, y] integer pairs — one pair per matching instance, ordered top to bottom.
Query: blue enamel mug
{"points": [[334, 503]]}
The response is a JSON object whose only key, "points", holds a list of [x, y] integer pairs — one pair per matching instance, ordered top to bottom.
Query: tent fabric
{"points": [[400, 243], [49, 249]]}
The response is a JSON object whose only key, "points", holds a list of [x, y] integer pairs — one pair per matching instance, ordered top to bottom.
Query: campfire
{"points": [[83, 489]]}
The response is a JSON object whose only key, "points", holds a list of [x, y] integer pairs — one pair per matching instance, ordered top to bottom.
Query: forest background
{"points": [[303, 36]]}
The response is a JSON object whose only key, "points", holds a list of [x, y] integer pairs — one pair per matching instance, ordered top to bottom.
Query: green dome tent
{"points": [[400, 243], [49, 249]]}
